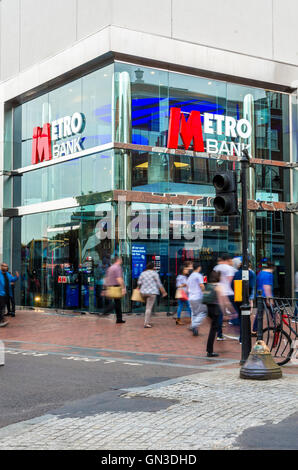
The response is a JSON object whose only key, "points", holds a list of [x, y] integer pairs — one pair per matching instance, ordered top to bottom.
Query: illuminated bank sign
{"points": [[191, 130], [45, 141]]}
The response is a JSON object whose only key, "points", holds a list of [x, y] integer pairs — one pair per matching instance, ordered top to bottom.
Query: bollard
{"points": [[260, 364]]}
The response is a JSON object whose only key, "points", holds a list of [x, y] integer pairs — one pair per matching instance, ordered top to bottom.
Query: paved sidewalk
{"points": [[42, 331], [93, 336], [211, 411]]}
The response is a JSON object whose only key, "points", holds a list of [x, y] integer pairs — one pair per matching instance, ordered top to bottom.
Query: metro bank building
{"points": [[110, 145]]}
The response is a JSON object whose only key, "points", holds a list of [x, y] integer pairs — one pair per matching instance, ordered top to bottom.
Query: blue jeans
{"points": [[181, 303]]}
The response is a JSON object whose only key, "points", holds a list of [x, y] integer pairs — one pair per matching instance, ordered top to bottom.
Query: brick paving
{"points": [[47, 332], [206, 416]]}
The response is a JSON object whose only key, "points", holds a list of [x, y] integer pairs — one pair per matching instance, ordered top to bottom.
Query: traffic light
{"points": [[225, 202]]}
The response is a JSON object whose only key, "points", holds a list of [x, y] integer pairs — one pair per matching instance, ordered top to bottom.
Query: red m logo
{"points": [[189, 130], [41, 144]]}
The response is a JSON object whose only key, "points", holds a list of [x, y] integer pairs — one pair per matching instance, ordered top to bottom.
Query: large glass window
{"points": [[90, 95], [147, 95], [144, 98], [77, 177], [63, 260]]}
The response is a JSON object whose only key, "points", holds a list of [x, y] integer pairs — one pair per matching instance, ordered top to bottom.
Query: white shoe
{"points": [[232, 337], [220, 338]]}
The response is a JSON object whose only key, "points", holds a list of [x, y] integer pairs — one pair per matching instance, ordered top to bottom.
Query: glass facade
{"points": [[154, 92], [90, 95], [77, 177], [63, 256], [62, 260]]}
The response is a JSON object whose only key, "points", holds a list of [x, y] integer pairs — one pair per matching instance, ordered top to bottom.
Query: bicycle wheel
{"points": [[279, 343]]}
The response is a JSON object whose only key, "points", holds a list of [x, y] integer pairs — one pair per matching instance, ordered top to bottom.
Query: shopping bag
{"points": [[114, 292], [181, 294], [137, 296]]}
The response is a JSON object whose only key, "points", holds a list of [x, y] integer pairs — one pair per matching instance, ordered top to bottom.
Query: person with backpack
{"points": [[212, 297]]}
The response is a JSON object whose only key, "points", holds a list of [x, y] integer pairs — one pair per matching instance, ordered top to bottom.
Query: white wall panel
{"points": [[92, 16], [152, 16], [235, 25], [47, 27], [41, 30], [285, 33], [10, 38]]}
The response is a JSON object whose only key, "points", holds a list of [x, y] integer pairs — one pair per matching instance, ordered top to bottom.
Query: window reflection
{"points": [[154, 92], [90, 95], [80, 176], [63, 259]]}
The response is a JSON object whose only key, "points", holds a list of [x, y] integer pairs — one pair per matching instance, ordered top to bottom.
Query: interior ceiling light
{"points": [[144, 165], [181, 165]]}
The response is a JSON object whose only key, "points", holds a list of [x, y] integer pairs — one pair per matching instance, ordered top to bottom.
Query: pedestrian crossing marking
{"points": [[132, 363]]}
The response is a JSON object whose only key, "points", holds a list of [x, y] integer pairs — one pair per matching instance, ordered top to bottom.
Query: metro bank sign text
{"points": [[217, 124], [51, 133]]}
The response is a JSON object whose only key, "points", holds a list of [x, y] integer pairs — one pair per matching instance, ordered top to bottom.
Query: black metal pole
{"points": [[245, 307], [260, 310]]}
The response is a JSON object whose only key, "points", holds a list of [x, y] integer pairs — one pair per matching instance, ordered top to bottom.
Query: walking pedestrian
{"points": [[189, 266], [224, 266], [5, 279], [265, 284], [150, 285], [195, 287], [115, 288], [182, 297], [212, 297], [11, 306]]}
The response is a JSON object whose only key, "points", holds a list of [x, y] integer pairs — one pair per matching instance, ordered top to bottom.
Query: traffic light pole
{"points": [[245, 307]]}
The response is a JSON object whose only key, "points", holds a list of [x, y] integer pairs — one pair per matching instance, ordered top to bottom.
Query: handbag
{"points": [[114, 292], [181, 294], [137, 296]]}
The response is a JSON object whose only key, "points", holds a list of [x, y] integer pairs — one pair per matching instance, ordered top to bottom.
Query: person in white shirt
{"points": [[227, 272], [181, 284], [195, 288]]}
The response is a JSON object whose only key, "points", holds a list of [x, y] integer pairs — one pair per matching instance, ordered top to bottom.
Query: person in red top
{"points": [[114, 277]]}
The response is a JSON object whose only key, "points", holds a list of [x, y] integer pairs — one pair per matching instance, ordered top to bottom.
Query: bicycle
{"points": [[279, 335]]}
